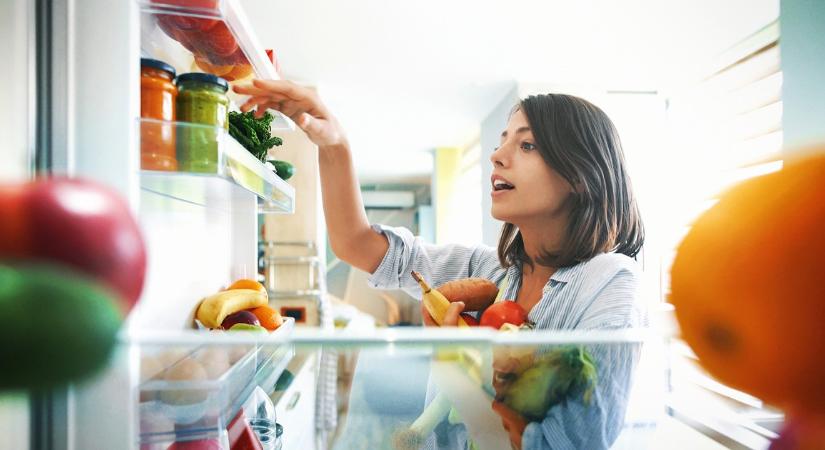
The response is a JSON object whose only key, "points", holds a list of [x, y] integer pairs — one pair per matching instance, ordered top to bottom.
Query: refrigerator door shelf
{"points": [[211, 36], [226, 166], [196, 397]]}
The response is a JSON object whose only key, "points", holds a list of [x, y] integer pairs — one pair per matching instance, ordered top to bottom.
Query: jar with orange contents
{"points": [[158, 95]]}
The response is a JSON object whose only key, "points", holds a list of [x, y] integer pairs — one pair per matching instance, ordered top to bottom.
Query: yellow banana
{"points": [[435, 302], [215, 308]]}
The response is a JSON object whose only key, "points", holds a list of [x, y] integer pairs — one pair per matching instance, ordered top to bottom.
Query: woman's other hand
{"points": [[299, 103], [450, 318], [512, 421]]}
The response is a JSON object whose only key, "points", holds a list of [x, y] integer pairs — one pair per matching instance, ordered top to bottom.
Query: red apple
{"points": [[79, 223], [503, 312], [240, 317]]}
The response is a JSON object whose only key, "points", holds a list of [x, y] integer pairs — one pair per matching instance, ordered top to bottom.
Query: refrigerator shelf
{"points": [[211, 36], [212, 169], [175, 407]]}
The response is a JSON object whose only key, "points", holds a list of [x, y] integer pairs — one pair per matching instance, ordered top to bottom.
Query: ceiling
{"points": [[407, 77]]}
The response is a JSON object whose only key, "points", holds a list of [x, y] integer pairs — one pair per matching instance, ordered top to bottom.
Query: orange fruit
{"points": [[245, 283], [748, 286], [269, 317]]}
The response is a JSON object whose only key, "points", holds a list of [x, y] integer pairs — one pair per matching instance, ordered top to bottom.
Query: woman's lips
{"points": [[501, 186]]}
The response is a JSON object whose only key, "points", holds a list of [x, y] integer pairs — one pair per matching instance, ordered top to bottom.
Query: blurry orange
{"points": [[245, 283], [748, 286], [269, 317]]}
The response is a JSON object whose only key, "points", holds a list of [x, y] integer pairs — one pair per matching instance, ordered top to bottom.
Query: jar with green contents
{"points": [[201, 100]]}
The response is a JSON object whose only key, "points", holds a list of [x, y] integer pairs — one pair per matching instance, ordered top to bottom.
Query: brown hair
{"points": [[579, 141]]}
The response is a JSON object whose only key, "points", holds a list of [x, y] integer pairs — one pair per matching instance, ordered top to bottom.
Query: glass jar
{"points": [[158, 95], [201, 100]]}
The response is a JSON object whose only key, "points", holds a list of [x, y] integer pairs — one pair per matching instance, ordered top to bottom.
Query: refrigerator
{"points": [[74, 66]]}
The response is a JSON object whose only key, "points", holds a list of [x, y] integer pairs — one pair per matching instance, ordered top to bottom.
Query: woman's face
{"points": [[524, 188]]}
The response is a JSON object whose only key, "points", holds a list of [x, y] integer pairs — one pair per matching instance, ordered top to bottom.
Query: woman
{"points": [[572, 229]]}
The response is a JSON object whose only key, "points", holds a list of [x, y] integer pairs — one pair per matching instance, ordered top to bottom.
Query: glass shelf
{"points": [[211, 36], [211, 165], [392, 374], [197, 389]]}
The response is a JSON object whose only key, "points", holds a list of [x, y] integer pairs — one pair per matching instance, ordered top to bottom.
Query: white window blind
{"points": [[725, 128]]}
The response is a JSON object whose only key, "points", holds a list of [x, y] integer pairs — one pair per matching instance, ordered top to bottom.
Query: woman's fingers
{"points": [[272, 87], [283, 87], [451, 316], [427, 318]]}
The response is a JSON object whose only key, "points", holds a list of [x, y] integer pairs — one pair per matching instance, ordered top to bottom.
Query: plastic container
{"points": [[158, 97], [201, 99], [198, 396]]}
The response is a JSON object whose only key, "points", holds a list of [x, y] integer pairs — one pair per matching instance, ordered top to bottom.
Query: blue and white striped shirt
{"points": [[597, 294]]}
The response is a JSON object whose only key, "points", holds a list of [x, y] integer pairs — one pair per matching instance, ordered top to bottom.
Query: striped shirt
{"points": [[596, 294]]}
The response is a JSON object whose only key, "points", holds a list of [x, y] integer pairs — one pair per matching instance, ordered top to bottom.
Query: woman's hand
{"points": [[300, 104], [450, 318], [512, 421]]}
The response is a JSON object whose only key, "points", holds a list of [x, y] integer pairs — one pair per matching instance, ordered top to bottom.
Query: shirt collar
{"points": [[563, 274]]}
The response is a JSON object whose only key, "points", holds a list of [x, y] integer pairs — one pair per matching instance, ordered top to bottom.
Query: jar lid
{"points": [[157, 64], [203, 78]]}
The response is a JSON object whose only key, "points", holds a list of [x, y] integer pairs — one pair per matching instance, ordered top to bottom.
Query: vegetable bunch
{"points": [[253, 133]]}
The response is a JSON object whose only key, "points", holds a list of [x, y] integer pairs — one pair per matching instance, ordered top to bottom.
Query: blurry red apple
{"points": [[79, 223], [240, 317]]}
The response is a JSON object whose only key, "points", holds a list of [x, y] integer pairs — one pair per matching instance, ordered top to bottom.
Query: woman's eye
{"points": [[527, 146]]}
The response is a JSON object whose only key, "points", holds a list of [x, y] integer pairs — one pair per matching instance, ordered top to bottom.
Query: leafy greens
{"points": [[253, 133]]}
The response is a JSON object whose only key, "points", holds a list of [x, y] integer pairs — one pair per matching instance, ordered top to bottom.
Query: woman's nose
{"points": [[497, 157]]}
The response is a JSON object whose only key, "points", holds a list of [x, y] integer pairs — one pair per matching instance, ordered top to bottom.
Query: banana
{"points": [[435, 302], [215, 308]]}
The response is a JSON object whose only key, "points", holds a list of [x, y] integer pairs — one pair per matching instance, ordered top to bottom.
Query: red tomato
{"points": [[191, 6], [219, 40], [78, 223], [503, 312], [470, 319]]}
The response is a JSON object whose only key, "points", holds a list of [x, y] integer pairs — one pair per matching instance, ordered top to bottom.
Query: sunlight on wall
{"points": [[456, 192]]}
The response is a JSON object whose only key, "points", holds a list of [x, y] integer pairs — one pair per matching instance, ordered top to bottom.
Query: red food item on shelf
{"points": [[185, 22], [182, 36], [218, 40], [236, 58], [79, 223], [503, 312], [241, 436], [199, 444]]}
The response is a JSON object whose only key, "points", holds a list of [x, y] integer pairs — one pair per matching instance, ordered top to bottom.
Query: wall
{"points": [[802, 46], [491, 128]]}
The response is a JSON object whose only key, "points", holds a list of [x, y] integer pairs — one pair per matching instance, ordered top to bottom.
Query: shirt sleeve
{"points": [[438, 264], [596, 425]]}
